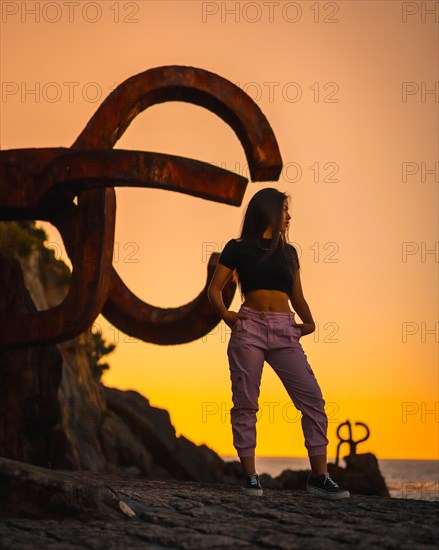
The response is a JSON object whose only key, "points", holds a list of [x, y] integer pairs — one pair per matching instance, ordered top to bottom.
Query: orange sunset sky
{"points": [[351, 91]]}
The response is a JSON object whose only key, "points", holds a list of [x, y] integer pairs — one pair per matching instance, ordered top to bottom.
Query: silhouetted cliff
{"points": [[55, 412]]}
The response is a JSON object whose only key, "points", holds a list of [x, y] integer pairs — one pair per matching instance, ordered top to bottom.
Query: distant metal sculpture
{"points": [[42, 184], [352, 444]]}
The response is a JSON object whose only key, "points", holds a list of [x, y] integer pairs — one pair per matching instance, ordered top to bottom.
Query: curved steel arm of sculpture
{"points": [[179, 83], [192, 85], [81, 170], [73, 173], [51, 176], [44, 179], [92, 239], [172, 318], [153, 324]]}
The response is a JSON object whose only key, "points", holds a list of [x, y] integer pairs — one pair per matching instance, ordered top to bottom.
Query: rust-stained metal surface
{"points": [[60, 174], [42, 183]]}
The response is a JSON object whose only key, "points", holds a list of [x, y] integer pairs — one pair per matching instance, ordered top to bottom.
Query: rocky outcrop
{"points": [[30, 378], [55, 412], [151, 427], [361, 476], [40, 493]]}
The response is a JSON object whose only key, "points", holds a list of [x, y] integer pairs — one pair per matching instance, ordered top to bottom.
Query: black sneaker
{"points": [[252, 486], [324, 487]]}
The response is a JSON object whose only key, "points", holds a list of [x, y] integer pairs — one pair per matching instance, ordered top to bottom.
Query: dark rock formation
{"points": [[30, 377], [55, 412], [151, 428], [361, 475], [288, 479], [40, 493]]}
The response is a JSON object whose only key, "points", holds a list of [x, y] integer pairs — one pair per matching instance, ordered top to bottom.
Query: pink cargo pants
{"points": [[272, 336]]}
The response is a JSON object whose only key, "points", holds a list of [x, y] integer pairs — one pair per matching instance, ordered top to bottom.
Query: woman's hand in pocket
{"points": [[232, 318], [305, 328]]}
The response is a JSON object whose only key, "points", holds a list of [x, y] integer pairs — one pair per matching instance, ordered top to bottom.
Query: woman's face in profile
{"points": [[285, 217]]}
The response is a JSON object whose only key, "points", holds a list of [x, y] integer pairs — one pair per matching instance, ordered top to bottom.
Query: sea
{"points": [[415, 479]]}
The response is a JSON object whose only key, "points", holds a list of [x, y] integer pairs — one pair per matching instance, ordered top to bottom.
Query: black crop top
{"points": [[271, 274]]}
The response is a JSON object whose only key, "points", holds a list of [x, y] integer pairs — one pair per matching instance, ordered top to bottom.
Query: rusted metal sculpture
{"points": [[42, 184], [352, 444]]}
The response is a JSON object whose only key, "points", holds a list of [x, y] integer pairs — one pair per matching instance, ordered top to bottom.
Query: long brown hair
{"points": [[264, 210]]}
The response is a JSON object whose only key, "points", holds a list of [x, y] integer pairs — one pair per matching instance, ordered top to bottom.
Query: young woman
{"points": [[264, 329]]}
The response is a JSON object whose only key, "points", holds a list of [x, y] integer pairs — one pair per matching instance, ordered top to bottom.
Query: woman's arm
{"points": [[220, 277], [301, 307]]}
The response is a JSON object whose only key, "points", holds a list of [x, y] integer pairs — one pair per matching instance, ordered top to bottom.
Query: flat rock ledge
{"points": [[182, 514]]}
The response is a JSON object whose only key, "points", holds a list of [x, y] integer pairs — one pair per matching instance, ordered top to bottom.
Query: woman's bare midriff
{"points": [[267, 300]]}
